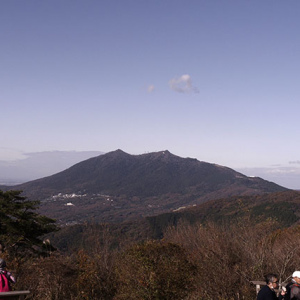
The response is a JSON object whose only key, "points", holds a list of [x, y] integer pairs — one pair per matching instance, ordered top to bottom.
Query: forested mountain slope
{"points": [[118, 186]]}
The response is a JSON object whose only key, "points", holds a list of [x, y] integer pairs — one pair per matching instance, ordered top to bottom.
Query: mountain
{"points": [[31, 166], [118, 186]]}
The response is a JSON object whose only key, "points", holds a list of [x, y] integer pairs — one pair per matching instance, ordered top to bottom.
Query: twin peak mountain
{"points": [[143, 184]]}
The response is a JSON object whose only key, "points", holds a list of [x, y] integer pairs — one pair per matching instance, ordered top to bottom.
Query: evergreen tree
{"points": [[21, 227]]}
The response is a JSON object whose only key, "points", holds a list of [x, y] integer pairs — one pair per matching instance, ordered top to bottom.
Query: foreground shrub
{"points": [[154, 270], [50, 278], [96, 279]]}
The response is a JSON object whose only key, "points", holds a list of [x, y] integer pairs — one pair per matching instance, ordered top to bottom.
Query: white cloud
{"points": [[183, 84], [150, 88]]}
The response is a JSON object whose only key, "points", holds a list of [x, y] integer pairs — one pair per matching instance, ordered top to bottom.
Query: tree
{"points": [[21, 228], [155, 270]]}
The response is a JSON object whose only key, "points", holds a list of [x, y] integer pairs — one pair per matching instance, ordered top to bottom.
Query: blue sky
{"points": [[214, 80]]}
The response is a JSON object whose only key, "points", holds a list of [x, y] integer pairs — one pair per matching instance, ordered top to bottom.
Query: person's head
{"points": [[2, 264], [296, 276], [272, 280]]}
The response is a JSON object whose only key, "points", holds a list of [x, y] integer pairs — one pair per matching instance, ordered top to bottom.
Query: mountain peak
{"points": [[118, 151], [117, 154], [160, 155], [164, 155]]}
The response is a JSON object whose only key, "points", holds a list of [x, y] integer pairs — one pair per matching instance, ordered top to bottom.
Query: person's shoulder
{"points": [[265, 288], [295, 289], [263, 291]]}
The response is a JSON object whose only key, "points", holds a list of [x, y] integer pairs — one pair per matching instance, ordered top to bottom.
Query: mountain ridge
{"points": [[118, 167], [136, 185]]}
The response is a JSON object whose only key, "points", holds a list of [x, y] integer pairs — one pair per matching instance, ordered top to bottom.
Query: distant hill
{"points": [[118, 186]]}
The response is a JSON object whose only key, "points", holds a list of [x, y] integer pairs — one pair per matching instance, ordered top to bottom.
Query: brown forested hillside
{"points": [[237, 239]]}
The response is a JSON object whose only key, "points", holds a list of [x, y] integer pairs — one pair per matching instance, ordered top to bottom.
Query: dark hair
{"points": [[270, 277]]}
